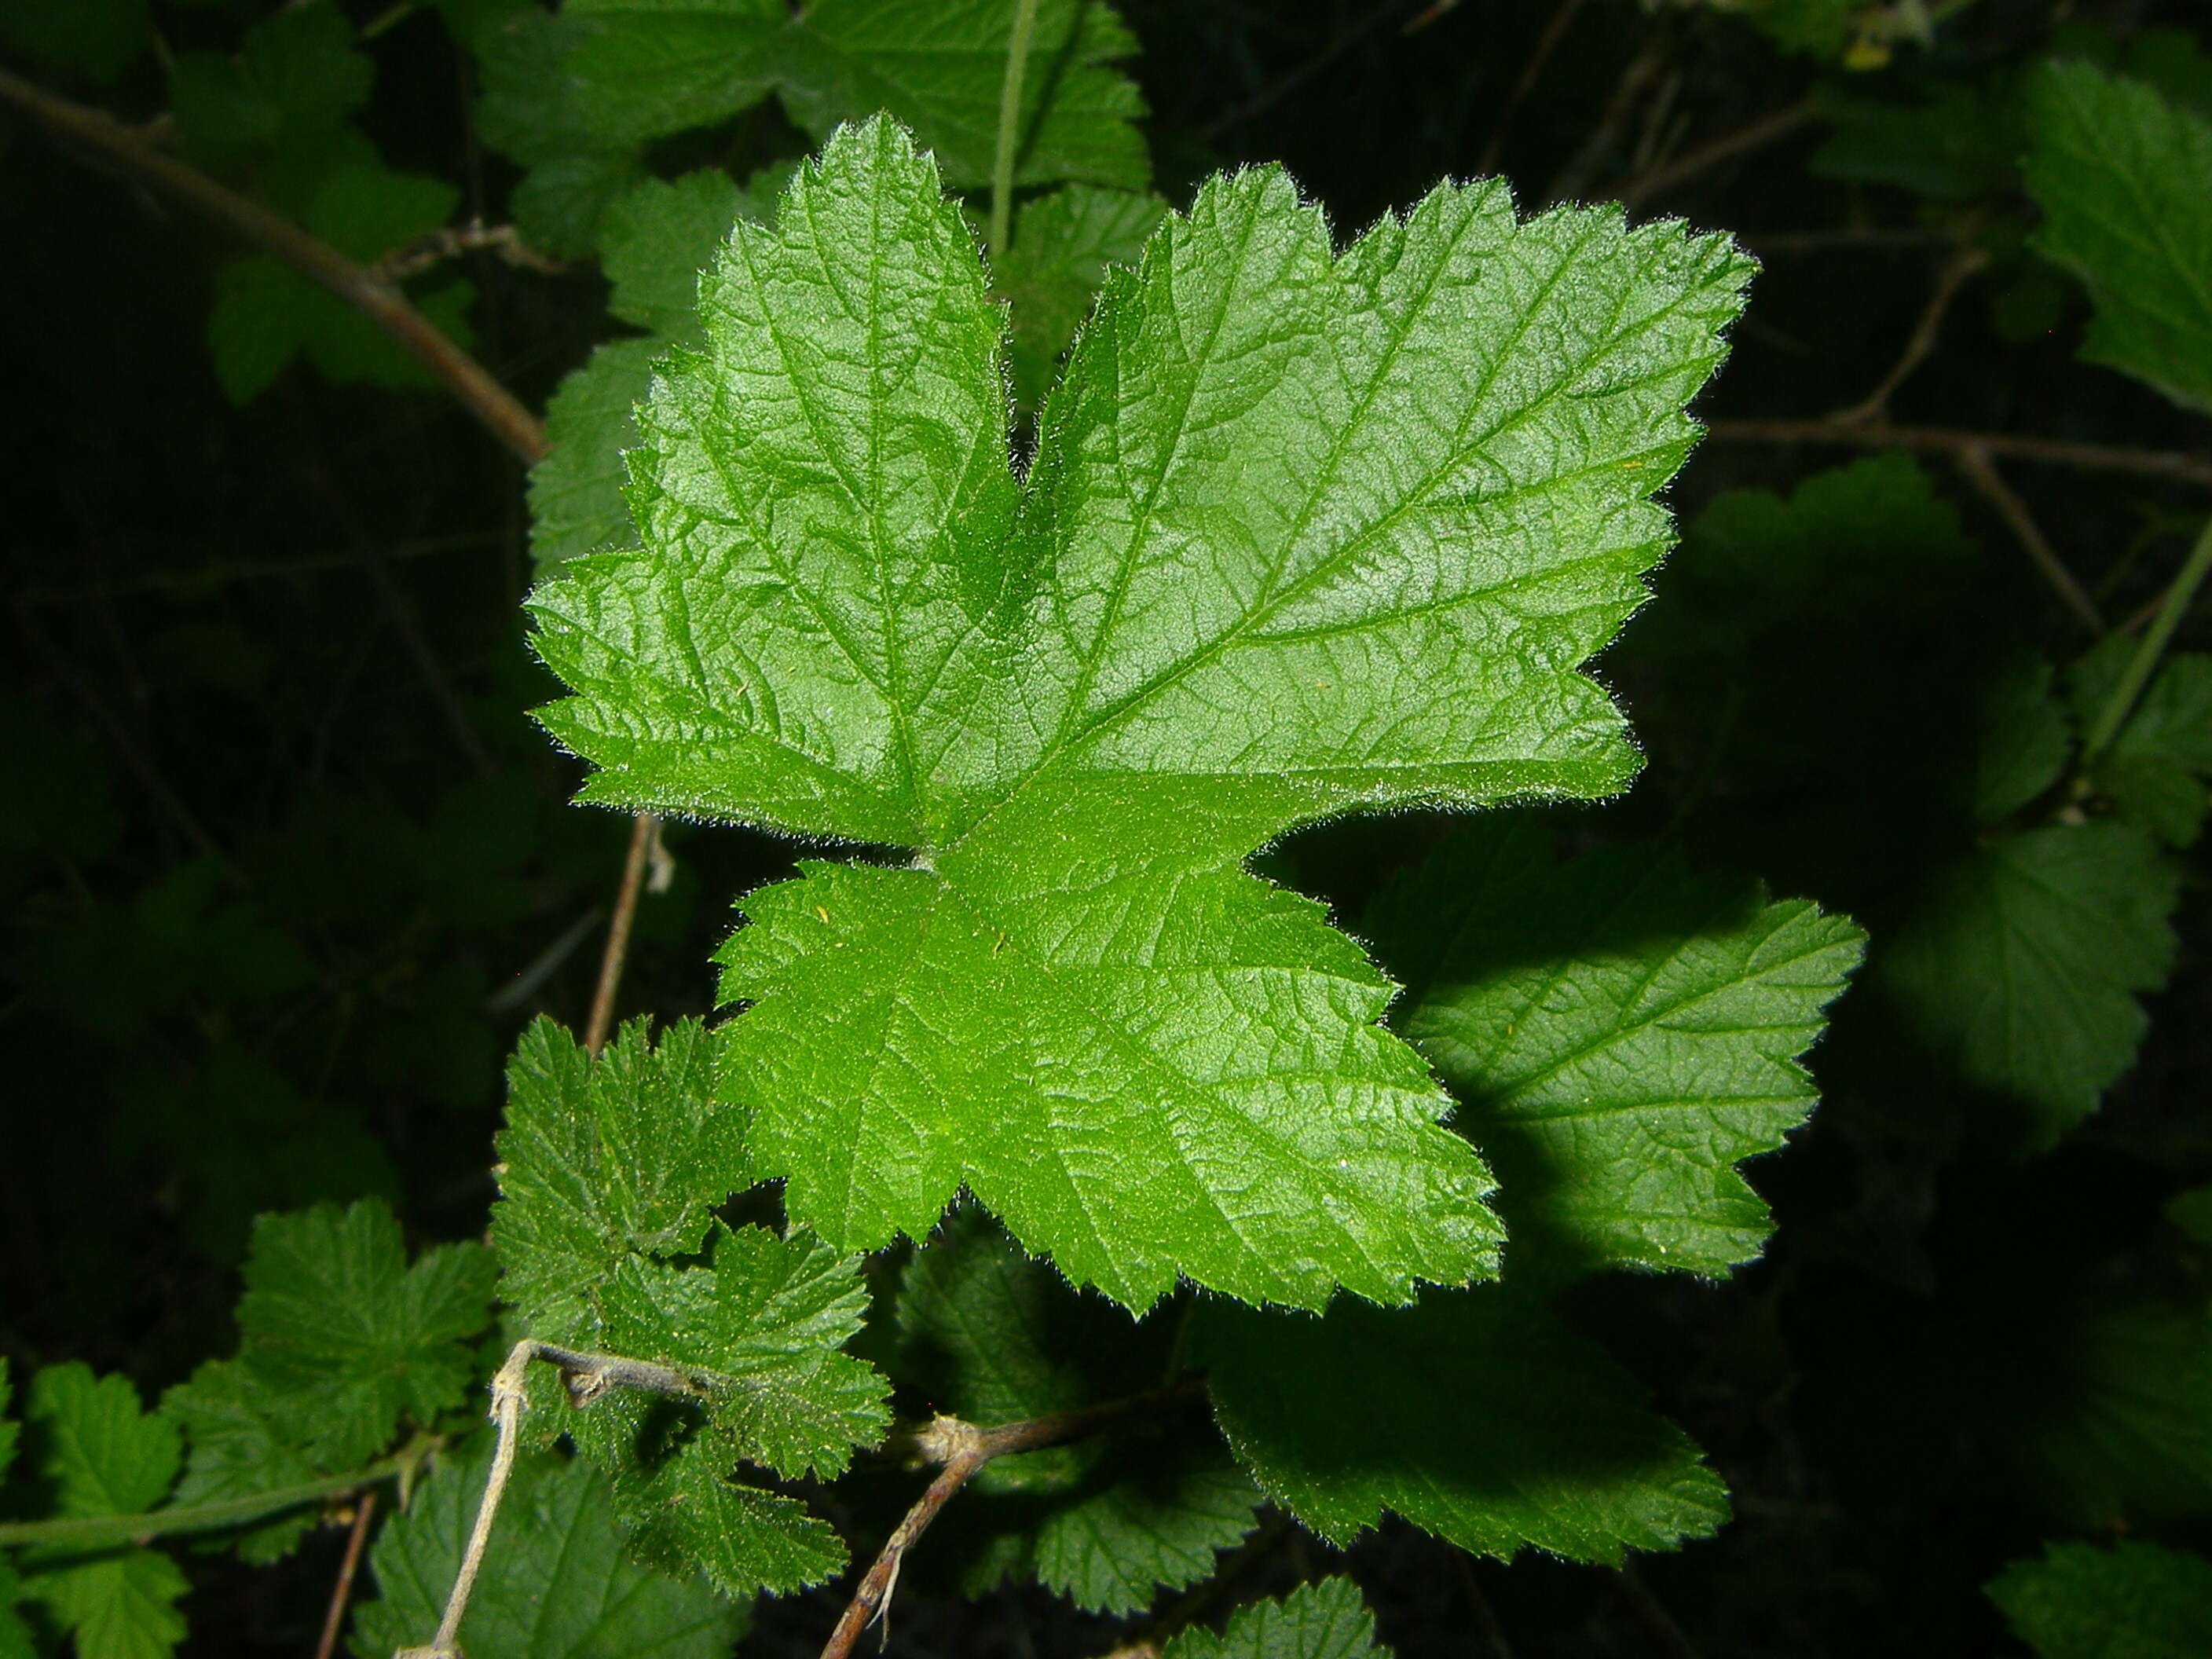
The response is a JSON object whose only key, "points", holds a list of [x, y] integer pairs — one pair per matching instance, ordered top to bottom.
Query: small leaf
{"points": [[2120, 173], [655, 240], [1063, 245], [575, 493], [1304, 534], [2024, 741], [2156, 769], [2018, 965], [1622, 1034], [603, 1160], [335, 1318], [761, 1327], [994, 1336], [1476, 1415], [242, 1433], [105, 1453], [106, 1456], [556, 1583], [2134, 1600], [1323, 1620]]}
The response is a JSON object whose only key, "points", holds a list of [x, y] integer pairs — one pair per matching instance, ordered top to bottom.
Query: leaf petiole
{"points": [[2152, 647]]}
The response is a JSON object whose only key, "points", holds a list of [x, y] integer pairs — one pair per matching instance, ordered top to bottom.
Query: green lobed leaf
{"points": [[636, 72], [296, 76], [2120, 171], [654, 241], [1063, 244], [1304, 534], [2018, 965], [1621, 1033], [603, 1160], [335, 1321], [761, 1328], [994, 1336], [1476, 1415], [244, 1435], [2128, 1435], [106, 1455], [556, 1583], [2134, 1600], [1326, 1619]]}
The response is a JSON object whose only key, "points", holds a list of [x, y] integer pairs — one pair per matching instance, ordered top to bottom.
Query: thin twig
{"points": [[1555, 30], [1334, 48], [1643, 68], [1010, 127], [1766, 129], [450, 241], [1963, 262], [379, 299], [2053, 451], [1974, 464], [2122, 700], [644, 827], [587, 1375], [961, 1448], [341, 1592], [1489, 1635], [1666, 1636]]}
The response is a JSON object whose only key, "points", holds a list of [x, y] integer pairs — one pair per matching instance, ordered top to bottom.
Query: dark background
{"points": [[266, 664]]}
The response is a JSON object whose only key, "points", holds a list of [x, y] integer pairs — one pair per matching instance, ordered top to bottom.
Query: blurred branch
{"points": [[1385, 11], [1555, 29], [1651, 60], [1767, 130], [450, 241], [1963, 262], [375, 295], [2051, 451], [1974, 463], [645, 829], [960, 1449], [334, 1617]]}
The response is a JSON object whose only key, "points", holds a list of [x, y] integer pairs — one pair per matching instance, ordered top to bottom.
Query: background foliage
{"points": [[288, 873]]}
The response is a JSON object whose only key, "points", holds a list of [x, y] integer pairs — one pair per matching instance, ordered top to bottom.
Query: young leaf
{"points": [[2120, 173], [654, 241], [1062, 245], [1304, 534], [2023, 742], [2018, 965], [1621, 1032], [605, 1160], [335, 1320], [761, 1331], [994, 1336], [1475, 1414], [106, 1456], [556, 1583], [2134, 1600], [1323, 1620]]}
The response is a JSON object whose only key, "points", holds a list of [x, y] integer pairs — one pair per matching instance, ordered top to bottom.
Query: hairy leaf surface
{"points": [[2120, 172], [1062, 245], [1304, 534], [2019, 963], [1621, 1032], [609, 1168], [995, 1336], [1476, 1415], [556, 1584], [2134, 1600], [1323, 1620]]}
